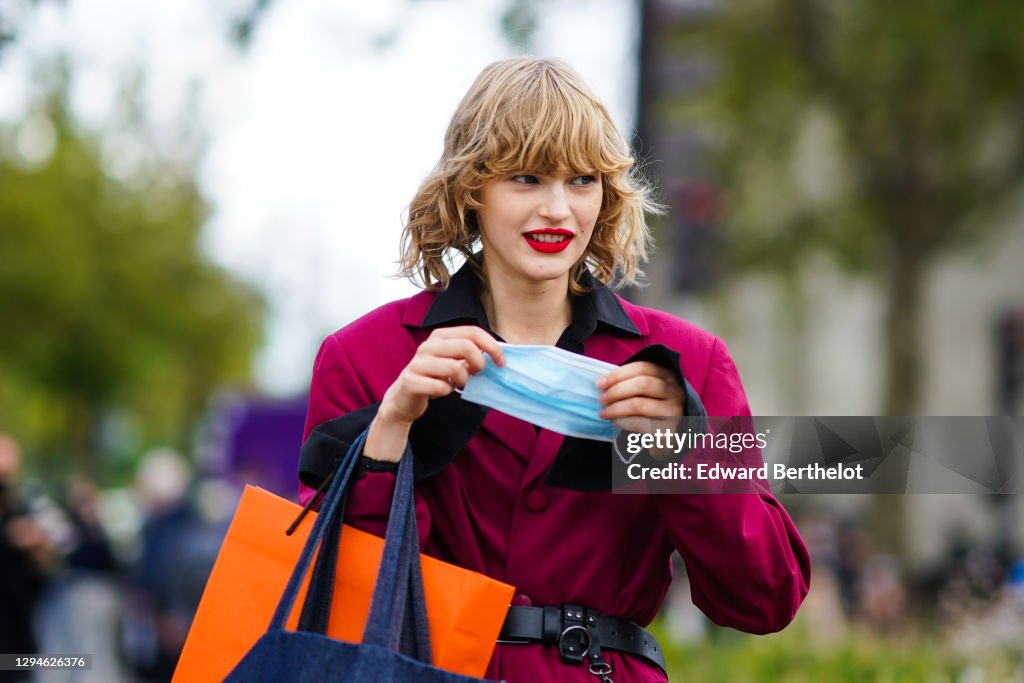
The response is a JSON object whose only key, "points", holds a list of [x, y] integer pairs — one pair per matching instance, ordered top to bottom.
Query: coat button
{"points": [[536, 500], [522, 600]]}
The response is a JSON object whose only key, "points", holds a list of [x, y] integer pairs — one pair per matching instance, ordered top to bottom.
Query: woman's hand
{"points": [[442, 363], [641, 389], [636, 392]]}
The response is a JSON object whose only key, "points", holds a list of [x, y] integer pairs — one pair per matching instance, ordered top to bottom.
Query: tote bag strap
{"points": [[330, 508], [316, 609], [398, 617], [415, 640]]}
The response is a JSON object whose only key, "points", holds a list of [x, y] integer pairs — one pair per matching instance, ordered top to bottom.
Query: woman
{"points": [[534, 188]]}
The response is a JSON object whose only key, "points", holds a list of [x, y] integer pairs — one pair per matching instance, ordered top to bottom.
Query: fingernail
{"points": [[601, 382]]}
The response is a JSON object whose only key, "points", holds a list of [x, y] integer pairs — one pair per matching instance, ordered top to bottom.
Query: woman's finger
{"points": [[477, 335], [455, 347], [440, 368], [634, 369], [641, 385], [431, 387], [640, 406]]}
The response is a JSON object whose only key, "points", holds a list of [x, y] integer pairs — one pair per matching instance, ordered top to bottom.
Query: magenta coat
{"points": [[490, 509]]}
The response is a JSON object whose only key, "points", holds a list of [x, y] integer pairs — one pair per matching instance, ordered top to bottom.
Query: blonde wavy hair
{"points": [[528, 115]]}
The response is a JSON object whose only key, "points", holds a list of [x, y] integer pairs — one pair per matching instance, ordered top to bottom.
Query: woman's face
{"points": [[535, 227]]}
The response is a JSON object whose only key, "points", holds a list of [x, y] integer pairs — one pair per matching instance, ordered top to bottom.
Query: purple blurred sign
{"points": [[256, 441]]}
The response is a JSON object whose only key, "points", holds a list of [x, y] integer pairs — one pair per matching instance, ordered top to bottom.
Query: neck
{"points": [[527, 313]]}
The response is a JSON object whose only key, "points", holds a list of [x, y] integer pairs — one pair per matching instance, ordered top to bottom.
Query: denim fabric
{"points": [[396, 641]]}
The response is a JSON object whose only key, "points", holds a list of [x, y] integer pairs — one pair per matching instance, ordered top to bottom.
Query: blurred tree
{"points": [[12, 15], [519, 22], [880, 134], [108, 305]]}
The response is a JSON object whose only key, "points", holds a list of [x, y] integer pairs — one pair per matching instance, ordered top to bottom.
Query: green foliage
{"points": [[519, 23], [863, 129], [882, 135], [109, 306], [792, 657]]}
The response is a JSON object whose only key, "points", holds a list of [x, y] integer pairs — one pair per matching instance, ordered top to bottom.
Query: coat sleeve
{"points": [[340, 407], [748, 567]]}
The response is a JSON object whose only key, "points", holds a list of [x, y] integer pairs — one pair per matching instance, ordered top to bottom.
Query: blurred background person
{"points": [[178, 546], [26, 554], [81, 611], [156, 623]]}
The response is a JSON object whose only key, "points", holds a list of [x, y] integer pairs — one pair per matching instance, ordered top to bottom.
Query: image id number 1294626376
{"points": [[16, 662]]}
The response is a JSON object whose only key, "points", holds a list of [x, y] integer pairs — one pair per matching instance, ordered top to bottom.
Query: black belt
{"points": [[580, 633]]}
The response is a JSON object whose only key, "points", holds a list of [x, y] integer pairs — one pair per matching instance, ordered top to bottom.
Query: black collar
{"points": [[460, 303]]}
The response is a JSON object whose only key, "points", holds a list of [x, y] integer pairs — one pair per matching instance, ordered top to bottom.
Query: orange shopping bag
{"points": [[466, 609]]}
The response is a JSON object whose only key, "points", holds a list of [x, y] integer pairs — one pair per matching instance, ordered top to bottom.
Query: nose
{"points": [[555, 204]]}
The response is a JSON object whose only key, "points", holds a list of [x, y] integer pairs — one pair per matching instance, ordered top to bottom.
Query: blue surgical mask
{"points": [[547, 386]]}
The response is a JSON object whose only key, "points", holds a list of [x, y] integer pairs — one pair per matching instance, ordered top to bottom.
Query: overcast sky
{"points": [[317, 136]]}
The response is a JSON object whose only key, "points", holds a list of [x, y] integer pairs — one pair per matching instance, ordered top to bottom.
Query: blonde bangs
{"points": [[528, 115], [547, 125]]}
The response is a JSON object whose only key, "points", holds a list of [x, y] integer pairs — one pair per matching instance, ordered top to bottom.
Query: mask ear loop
{"points": [[456, 389]]}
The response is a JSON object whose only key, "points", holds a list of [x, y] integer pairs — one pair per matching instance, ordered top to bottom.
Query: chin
{"points": [[546, 272], [547, 277]]}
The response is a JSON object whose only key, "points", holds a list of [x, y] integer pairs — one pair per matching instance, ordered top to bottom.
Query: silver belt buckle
{"points": [[574, 652]]}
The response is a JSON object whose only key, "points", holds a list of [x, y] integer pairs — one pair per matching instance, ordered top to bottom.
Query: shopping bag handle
{"points": [[330, 508], [316, 610], [398, 616]]}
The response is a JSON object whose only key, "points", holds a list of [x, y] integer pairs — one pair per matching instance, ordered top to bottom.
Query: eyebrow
{"points": [[568, 173]]}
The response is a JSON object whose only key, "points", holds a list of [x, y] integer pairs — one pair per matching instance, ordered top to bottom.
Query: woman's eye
{"points": [[525, 179], [584, 180]]}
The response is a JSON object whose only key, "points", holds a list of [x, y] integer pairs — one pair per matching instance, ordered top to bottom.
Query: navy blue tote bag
{"points": [[396, 640]]}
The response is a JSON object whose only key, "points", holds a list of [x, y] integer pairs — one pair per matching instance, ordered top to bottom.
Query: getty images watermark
{"points": [[664, 440], [821, 455]]}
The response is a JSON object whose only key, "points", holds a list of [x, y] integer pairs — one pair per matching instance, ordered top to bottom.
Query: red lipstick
{"points": [[549, 247]]}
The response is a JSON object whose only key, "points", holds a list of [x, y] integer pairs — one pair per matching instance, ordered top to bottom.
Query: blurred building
{"points": [[828, 358]]}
